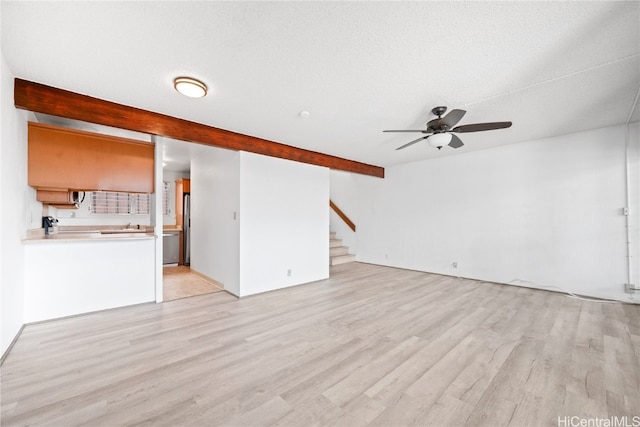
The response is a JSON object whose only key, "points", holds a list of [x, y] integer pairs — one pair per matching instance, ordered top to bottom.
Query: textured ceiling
{"points": [[358, 67]]}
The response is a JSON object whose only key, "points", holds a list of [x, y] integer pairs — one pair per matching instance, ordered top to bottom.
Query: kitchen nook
{"points": [[96, 263]]}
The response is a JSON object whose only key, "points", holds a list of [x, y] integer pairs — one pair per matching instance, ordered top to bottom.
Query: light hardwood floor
{"points": [[370, 346]]}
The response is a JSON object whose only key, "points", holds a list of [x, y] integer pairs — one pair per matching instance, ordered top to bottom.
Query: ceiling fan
{"points": [[441, 130]]}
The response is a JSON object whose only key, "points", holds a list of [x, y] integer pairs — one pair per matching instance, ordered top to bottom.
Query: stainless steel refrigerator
{"points": [[186, 228]]}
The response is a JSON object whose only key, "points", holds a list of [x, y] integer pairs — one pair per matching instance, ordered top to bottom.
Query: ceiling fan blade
{"points": [[452, 118], [477, 127], [406, 130], [412, 142], [455, 142]]}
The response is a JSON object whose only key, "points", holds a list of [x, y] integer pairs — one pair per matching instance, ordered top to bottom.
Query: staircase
{"points": [[338, 254]]}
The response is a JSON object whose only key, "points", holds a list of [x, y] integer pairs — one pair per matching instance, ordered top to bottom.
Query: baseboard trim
{"points": [[208, 279], [536, 287], [229, 293], [102, 310], [15, 339]]}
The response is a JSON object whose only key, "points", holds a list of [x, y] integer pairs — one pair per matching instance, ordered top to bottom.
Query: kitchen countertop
{"points": [[84, 234]]}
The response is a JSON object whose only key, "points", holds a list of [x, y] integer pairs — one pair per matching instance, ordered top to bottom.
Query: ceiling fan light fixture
{"points": [[190, 87], [442, 126], [439, 140]]}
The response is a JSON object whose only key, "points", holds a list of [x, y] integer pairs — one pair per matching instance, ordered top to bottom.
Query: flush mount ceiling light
{"points": [[191, 87], [439, 140]]}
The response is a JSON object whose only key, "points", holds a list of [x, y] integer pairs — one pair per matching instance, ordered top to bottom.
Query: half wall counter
{"points": [[74, 273]]}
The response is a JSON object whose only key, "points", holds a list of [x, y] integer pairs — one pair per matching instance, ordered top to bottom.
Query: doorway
{"points": [[178, 279]]}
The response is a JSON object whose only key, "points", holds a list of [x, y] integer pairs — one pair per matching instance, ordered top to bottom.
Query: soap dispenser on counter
{"points": [[49, 225]]}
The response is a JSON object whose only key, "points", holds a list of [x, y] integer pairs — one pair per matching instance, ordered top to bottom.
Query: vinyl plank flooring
{"points": [[180, 282], [371, 345]]}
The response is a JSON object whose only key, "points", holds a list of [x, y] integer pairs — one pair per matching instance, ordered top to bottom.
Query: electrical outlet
{"points": [[454, 264], [289, 273], [630, 288]]}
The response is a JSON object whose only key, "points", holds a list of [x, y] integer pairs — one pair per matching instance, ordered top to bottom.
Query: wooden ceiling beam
{"points": [[45, 99]]}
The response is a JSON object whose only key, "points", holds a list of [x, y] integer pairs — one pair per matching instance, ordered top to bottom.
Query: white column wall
{"points": [[156, 218], [215, 223], [284, 229]]}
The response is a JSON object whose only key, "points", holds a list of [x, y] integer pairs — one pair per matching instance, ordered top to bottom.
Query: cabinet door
{"points": [[60, 158], [54, 196], [60, 199]]}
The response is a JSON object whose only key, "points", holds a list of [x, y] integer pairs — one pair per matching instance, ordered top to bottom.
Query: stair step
{"points": [[338, 250], [338, 254], [342, 259]]}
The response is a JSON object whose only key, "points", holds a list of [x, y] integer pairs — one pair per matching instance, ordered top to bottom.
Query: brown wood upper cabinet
{"points": [[69, 159], [60, 199]]}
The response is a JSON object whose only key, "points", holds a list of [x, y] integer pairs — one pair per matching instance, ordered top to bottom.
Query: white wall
{"points": [[633, 139], [215, 205], [547, 211], [16, 212], [284, 223], [67, 278]]}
